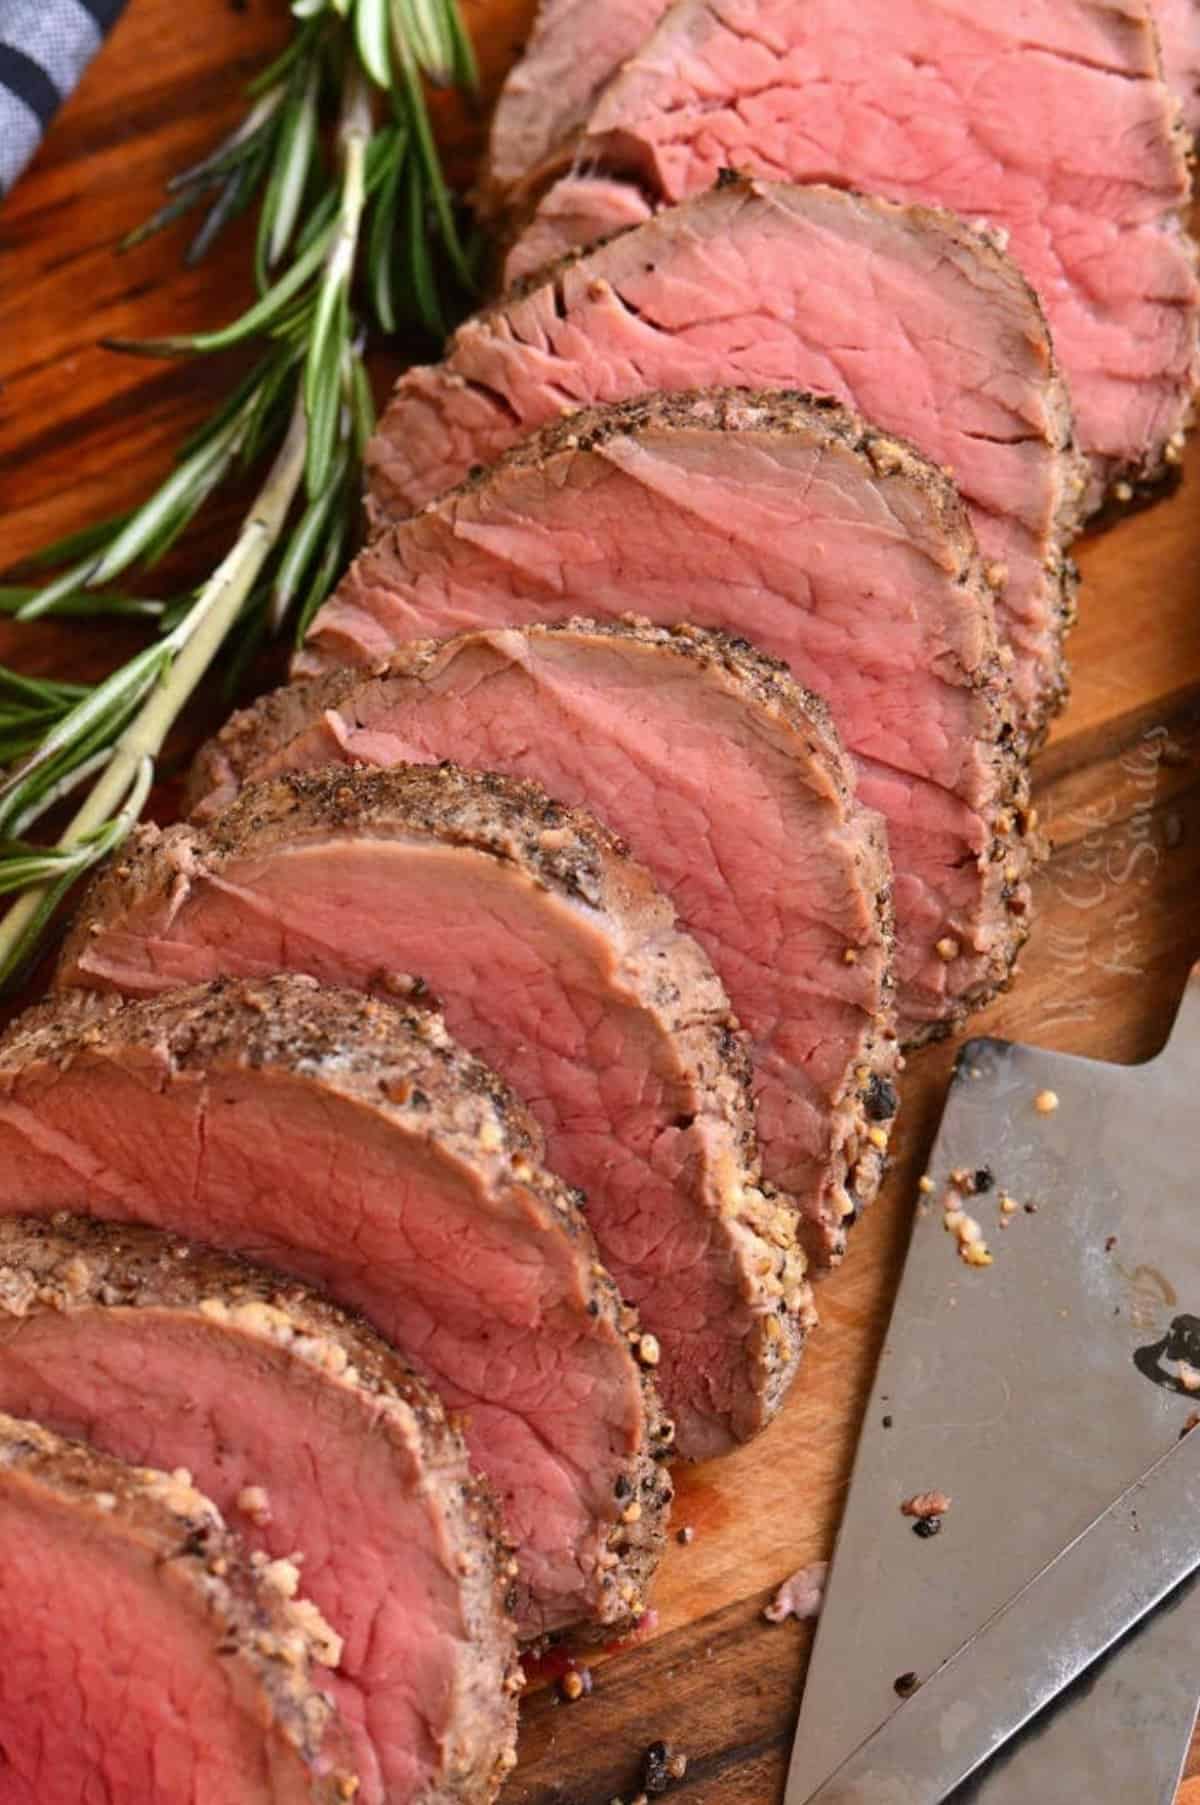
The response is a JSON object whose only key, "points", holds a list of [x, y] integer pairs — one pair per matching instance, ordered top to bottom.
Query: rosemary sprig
{"points": [[354, 232]]}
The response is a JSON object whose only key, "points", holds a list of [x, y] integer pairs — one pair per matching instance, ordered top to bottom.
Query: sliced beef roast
{"points": [[1179, 32], [572, 52], [1051, 120], [571, 214], [776, 286], [834, 548], [724, 778], [556, 958], [341, 1139], [307, 1433], [146, 1657]]}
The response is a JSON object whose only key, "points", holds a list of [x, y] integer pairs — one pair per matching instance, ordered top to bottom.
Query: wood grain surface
{"points": [[82, 433]]}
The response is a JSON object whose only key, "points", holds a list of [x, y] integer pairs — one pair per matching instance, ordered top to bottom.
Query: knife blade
{"points": [[1030, 1393], [1123, 1565]]}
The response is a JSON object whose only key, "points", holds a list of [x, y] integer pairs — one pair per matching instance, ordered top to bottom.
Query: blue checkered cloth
{"points": [[45, 46]]}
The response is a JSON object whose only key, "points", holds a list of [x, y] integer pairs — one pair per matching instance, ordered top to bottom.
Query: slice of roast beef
{"points": [[1179, 33], [573, 50], [1050, 120], [571, 214], [906, 314], [833, 547], [726, 781], [555, 958], [338, 1138], [307, 1433], [146, 1657]]}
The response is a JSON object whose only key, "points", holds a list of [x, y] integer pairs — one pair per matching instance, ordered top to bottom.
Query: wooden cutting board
{"points": [[81, 434]]}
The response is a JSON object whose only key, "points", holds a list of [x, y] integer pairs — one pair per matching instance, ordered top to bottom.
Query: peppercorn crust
{"points": [[296, 728], [558, 850], [403, 1066], [72, 1265], [278, 1643]]}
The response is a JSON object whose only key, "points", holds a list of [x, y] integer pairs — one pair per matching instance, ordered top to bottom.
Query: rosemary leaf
{"points": [[371, 32], [291, 166], [361, 211], [251, 324], [305, 543], [82, 606]]}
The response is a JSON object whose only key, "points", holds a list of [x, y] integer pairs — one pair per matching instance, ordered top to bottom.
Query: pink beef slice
{"points": [[1179, 31], [573, 50], [1050, 120], [571, 214], [775, 286], [832, 547], [724, 778], [556, 959], [342, 1140], [309, 1434], [145, 1656]]}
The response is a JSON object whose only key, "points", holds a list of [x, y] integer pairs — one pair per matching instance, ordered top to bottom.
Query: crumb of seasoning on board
{"points": [[1046, 1102], [925, 1185], [1110, 1243], [972, 1248], [926, 1504], [800, 1596], [575, 1684], [905, 1684], [662, 1766]]}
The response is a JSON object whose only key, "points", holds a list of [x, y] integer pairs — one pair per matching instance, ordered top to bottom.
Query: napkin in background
{"points": [[45, 46]]}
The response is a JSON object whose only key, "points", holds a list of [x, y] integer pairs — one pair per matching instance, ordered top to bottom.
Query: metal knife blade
{"points": [[1032, 1392], [1124, 1564]]}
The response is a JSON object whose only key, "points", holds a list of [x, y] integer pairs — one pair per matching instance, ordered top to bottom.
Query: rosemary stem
{"points": [[200, 637]]}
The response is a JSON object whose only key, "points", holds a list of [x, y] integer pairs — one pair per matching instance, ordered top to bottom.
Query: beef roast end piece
{"points": [[352, 1143], [308, 1433], [144, 1652]]}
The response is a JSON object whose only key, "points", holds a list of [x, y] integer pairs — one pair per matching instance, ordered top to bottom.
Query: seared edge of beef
{"points": [[611, 146], [974, 242], [976, 664], [252, 737], [1014, 845], [566, 851], [396, 1062], [72, 1264], [281, 1642]]}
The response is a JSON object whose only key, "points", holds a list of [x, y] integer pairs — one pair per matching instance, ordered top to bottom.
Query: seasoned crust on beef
{"points": [[674, 115], [979, 241], [738, 285], [387, 587], [254, 745], [230, 757], [1016, 848], [563, 851], [401, 1065], [73, 1265], [248, 1620]]}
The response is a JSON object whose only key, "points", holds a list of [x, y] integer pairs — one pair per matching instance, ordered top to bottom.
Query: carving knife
{"points": [[1033, 1391]]}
